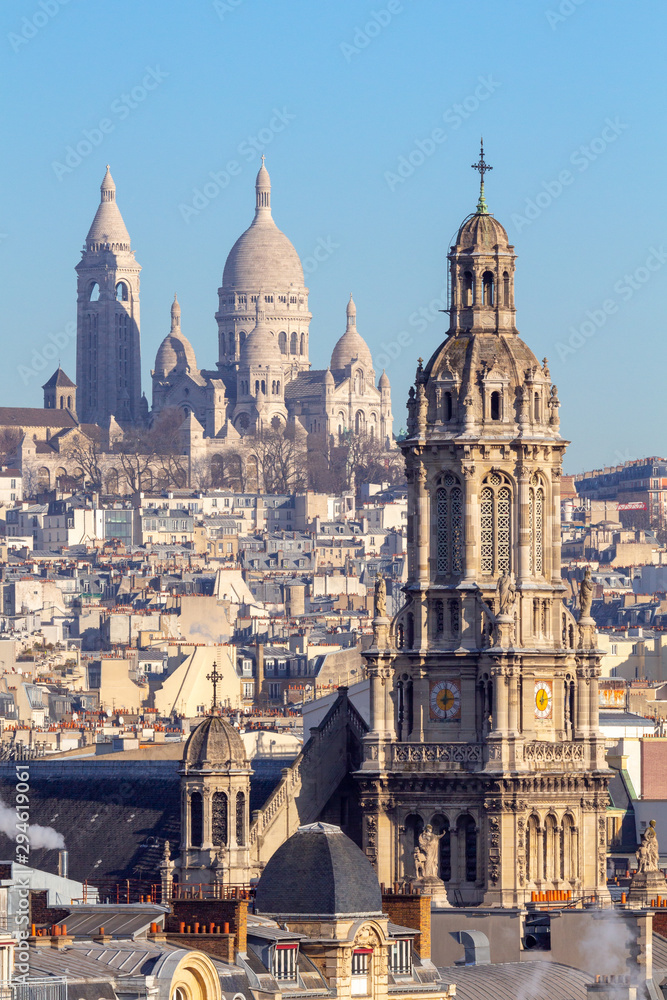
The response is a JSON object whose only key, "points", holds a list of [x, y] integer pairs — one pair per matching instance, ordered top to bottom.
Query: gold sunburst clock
{"points": [[543, 699], [445, 700]]}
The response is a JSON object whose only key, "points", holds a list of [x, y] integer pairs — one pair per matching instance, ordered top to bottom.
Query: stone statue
{"points": [[506, 593], [586, 594], [380, 598], [647, 852], [426, 855]]}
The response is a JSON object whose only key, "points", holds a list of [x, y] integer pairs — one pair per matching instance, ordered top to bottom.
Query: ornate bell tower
{"points": [[484, 688]]}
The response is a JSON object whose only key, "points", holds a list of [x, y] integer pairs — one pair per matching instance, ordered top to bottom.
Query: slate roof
{"points": [[59, 378], [309, 384], [33, 416], [321, 873], [508, 981]]}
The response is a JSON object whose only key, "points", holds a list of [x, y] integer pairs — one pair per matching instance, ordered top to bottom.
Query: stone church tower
{"points": [[108, 349], [484, 688], [215, 798]]}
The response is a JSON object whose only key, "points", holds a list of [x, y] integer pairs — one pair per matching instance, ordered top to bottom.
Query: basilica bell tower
{"points": [[108, 348], [484, 687]]}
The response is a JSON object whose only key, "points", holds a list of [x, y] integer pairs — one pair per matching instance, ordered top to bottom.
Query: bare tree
{"points": [[10, 441], [87, 452], [281, 460]]}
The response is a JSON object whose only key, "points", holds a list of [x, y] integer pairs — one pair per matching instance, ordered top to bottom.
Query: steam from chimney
{"points": [[40, 836]]}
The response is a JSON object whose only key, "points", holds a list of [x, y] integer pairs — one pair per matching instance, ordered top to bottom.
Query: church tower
{"points": [[108, 349], [484, 688], [215, 797]]}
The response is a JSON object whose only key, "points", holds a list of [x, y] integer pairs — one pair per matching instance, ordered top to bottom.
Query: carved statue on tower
{"points": [[506, 593], [586, 594], [380, 597], [647, 853], [426, 855]]}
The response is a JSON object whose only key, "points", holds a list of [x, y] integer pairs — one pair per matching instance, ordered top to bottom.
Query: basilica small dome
{"points": [[108, 225], [262, 255], [261, 346], [351, 346], [175, 354], [384, 381], [214, 744], [319, 872]]}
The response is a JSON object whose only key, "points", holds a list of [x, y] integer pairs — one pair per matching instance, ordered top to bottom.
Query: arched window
{"points": [[468, 288], [506, 288], [94, 292], [122, 292], [488, 297], [231, 337], [241, 339], [282, 342], [293, 342], [303, 344], [359, 383], [256, 385], [263, 386], [278, 387], [62, 402], [69, 402], [495, 406], [448, 408], [537, 409], [360, 422], [536, 522], [449, 526], [496, 530], [410, 638], [196, 819], [219, 819], [240, 819], [467, 843], [532, 848], [551, 849], [570, 862]]}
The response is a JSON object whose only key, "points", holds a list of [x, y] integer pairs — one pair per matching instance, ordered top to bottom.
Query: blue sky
{"points": [[569, 96]]}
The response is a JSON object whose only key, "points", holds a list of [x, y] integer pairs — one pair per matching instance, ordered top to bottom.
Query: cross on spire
{"points": [[483, 167], [214, 677]]}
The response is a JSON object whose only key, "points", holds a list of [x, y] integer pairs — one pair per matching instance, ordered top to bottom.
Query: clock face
{"points": [[543, 698], [445, 701]]}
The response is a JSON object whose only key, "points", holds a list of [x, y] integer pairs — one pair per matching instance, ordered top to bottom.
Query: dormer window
{"points": [[495, 406], [361, 958], [400, 958], [284, 961]]}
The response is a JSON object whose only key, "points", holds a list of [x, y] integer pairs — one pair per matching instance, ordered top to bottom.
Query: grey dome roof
{"points": [[108, 225], [262, 255], [351, 346], [214, 744], [319, 872]]}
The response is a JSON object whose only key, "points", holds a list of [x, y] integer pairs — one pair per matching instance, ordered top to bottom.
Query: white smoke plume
{"points": [[39, 836]]}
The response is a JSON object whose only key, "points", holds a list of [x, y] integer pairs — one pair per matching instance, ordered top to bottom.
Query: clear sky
{"points": [[344, 98]]}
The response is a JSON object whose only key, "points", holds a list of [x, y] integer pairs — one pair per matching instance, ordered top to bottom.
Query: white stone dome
{"points": [[108, 225], [263, 256], [261, 346], [351, 346], [175, 353]]}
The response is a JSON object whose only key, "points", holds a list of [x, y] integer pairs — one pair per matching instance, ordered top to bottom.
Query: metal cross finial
{"points": [[263, 158], [483, 167], [214, 677]]}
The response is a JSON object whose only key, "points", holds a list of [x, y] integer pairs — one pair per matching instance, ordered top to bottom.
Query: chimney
{"points": [[63, 864], [611, 988]]}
